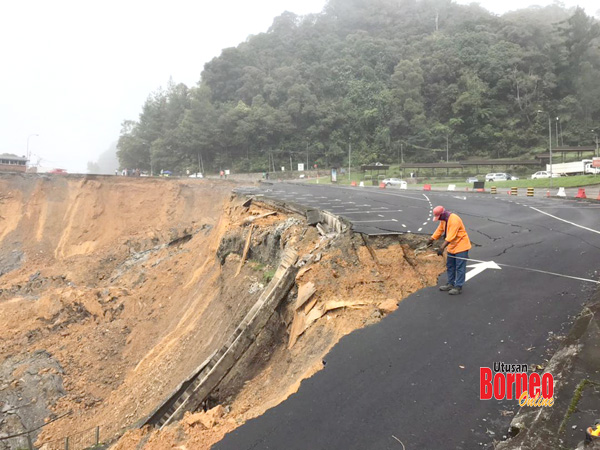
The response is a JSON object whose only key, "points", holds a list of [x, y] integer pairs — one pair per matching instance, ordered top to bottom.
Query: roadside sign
{"points": [[596, 162], [300, 167]]}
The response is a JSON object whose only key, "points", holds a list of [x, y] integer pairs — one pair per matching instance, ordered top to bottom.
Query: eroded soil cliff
{"points": [[113, 290]]}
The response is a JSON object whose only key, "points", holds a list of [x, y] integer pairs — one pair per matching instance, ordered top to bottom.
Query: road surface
{"points": [[414, 377]]}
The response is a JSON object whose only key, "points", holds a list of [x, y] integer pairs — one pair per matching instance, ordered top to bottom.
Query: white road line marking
{"points": [[380, 215], [394, 220], [366, 221], [566, 221], [424, 223], [404, 225], [419, 229], [533, 270]]}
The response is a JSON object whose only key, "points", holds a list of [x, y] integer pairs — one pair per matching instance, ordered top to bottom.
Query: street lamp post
{"points": [[28, 137], [596, 138], [549, 143], [550, 147], [307, 156], [349, 157]]}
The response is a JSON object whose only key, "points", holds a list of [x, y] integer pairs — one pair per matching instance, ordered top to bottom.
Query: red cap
{"points": [[437, 212]]}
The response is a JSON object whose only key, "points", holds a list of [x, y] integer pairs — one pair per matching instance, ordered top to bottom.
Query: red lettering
{"points": [[510, 382], [485, 384], [520, 384], [534, 384], [547, 385], [499, 387]]}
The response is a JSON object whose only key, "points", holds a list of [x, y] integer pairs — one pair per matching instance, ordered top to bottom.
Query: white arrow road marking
{"points": [[480, 267]]}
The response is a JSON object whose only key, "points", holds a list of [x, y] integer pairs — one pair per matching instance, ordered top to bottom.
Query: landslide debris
{"points": [[125, 286]]}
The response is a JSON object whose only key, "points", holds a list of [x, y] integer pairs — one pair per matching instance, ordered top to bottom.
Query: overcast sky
{"points": [[73, 70]]}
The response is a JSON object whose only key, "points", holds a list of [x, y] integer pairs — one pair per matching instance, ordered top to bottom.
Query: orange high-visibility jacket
{"points": [[456, 234]]}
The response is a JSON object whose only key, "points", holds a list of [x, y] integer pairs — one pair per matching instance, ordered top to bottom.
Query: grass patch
{"points": [[576, 181], [256, 265], [267, 271], [268, 275], [574, 402]]}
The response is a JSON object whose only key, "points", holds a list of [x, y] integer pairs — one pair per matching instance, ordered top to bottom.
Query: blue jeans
{"points": [[456, 268]]}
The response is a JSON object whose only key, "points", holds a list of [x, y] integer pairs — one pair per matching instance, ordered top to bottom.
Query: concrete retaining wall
{"points": [[191, 393]]}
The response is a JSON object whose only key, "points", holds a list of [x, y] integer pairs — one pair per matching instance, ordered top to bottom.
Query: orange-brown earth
{"points": [[129, 284]]}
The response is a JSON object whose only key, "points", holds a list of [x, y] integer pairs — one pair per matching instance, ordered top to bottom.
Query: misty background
{"points": [[74, 71]]}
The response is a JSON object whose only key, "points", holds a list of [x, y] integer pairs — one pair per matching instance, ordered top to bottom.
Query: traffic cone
{"points": [[548, 193], [581, 193], [598, 198]]}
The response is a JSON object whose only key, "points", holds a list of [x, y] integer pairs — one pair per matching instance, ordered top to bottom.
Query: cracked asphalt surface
{"points": [[414, 377]]}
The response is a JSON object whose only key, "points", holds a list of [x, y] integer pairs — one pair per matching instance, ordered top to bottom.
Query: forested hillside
{"points": [[379, 74]]}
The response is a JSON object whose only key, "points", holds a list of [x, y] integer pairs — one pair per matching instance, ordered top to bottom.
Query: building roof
{"points": [[13, 157]]}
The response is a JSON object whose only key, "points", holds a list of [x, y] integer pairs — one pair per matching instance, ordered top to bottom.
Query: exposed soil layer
{"points": [[114, 290]]}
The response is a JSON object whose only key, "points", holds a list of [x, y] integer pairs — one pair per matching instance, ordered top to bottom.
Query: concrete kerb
{"points": [[312, 215]]}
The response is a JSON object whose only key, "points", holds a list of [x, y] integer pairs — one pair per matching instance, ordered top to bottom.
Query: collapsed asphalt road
{"points": [[413, 379]]}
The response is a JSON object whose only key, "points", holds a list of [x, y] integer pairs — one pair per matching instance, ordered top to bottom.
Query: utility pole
{"points": [[556, 126], [550, 146], [447, 149], [28, 154], [307, 156], [349, 156]]}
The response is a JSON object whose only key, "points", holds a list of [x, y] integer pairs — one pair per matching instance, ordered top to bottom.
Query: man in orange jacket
{"points": [[456, 239]]}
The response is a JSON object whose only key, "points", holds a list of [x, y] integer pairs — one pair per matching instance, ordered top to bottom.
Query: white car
{"points": [[544, 174], [196, 175], [499, 176], [511, 177], [472, 180], [395, 182]]}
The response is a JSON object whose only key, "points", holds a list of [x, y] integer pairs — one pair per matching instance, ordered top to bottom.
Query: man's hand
{"points": [[430, 242], [440, 251]]}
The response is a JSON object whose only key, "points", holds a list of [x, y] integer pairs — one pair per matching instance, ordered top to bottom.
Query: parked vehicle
{"points": [[574, 168], [543, 174], [196, 175], [498, 176], [511, 177], [472, 180], [395, 182]]}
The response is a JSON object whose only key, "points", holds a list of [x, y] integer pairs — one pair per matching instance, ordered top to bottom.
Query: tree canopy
{"points": [[379, 74]]}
